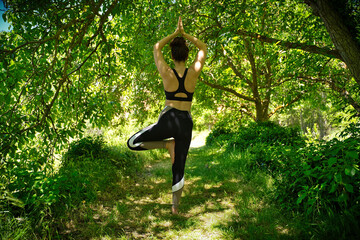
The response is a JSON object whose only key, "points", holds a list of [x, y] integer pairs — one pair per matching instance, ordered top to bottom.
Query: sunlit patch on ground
{"points": [[199, 139]]}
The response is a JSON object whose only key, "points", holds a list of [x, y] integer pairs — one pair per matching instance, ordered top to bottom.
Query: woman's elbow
{"points": [[157, 46], [203, 52]]}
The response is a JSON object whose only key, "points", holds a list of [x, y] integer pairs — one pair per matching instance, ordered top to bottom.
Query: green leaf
{"points": [[335, 151], [351, 155], [332, 161], [350, 171], [338, 178], [333, 187], [349, 188], [301, 197], [343, 197], [309, 210]]}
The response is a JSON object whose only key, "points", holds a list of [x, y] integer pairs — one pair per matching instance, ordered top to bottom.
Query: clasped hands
{"points": [[180, 27]]}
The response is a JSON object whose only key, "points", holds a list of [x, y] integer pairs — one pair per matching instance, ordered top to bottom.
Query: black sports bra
{"points": [[181, 89]]}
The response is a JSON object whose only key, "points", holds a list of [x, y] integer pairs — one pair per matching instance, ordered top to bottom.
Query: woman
{"points": [[175, 120]]}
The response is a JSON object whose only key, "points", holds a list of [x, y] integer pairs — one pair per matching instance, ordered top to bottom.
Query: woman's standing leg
{"points": [[177, 124], [182, 145]]}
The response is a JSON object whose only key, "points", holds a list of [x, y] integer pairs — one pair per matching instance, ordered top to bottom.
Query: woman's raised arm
{"points": [[199, 61], [163, 68]]}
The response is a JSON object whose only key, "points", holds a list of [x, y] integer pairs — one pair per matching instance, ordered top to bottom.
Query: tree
{"points": [[342, 20], [290, 27], [263, 53], [93, 59], [58, 68]]}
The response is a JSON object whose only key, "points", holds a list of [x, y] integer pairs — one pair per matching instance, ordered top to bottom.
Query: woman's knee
{"points": [[132, 144]]}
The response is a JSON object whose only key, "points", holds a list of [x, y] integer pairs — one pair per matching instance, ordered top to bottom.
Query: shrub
{"points": [[242, 137], [88, 147], [322, 180], [40, 196]]}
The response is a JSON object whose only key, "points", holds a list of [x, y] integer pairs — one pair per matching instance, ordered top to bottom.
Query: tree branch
{"points": [[341, 35], [41, 41], [290, 45], [87, 58], [251, 59], [235, 70], [268, 77], [343, 92], [239, 95], [297, 98], [245, 109]]}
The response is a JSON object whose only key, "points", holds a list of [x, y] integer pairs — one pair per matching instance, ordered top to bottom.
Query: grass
{"points": [[222, 199]]}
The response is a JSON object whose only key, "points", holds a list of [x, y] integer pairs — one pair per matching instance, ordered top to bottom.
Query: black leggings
{"points": [[172, 123]]}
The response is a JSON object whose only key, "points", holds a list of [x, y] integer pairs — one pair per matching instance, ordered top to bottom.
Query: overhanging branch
{"points": [[291, 45], [235, 70], [213, 85], [342, 91], [297, 98]]}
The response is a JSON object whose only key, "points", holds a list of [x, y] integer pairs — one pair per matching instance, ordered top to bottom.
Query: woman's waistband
{"points": [[168, 108]]}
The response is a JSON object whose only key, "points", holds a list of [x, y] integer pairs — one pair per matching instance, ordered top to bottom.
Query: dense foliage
{"points": [[93, 60], [242, 137], [319, 179], [322, 180], [42, 198]]}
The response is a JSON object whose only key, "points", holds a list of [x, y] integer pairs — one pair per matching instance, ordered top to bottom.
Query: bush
{"points": [[242, 137], [88, 147], [88, 167], [319, 179], [322, 180], [36, 193], [39, 196]]}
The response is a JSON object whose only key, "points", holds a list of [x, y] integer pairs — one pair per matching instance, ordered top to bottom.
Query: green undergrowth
{"points": [[316, 180], [269, 189], [108, 192], [223, 199], [35, 201]]}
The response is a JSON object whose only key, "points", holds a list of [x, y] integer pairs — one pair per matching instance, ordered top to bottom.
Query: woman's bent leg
{"points": [[177, 124], [153, 136], [153, 145]]}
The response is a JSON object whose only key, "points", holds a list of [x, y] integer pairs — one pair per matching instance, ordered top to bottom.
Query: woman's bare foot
{"points": [[170, 146], [174, 210]]}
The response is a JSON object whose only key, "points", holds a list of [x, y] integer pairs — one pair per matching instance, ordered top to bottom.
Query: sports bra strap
{"points": [[181, 89]]}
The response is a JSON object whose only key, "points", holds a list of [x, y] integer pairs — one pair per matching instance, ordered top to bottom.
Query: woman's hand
{"points": [[180, 26], [177, 30]]}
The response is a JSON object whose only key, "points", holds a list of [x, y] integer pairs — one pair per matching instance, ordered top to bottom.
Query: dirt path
{"points": [[144, 212]]}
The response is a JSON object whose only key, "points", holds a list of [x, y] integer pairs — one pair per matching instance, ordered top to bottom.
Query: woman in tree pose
{"points": [[174, 127]]}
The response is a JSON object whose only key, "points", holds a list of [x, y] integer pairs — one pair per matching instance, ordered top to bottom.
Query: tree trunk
{"points": [[340, 34], [261, 112]]}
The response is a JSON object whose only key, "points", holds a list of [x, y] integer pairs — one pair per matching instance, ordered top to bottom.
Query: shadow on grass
{"points": [[221, 200]]}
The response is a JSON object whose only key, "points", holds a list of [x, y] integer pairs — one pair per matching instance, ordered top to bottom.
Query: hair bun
{"points": [[178, 42], [179, 49]]}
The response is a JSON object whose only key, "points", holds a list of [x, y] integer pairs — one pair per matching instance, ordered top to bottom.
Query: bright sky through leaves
{"points": [[4, 26]]}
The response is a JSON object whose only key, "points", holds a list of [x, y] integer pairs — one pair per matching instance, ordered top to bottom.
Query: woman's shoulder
{"points": [[192, 74]]}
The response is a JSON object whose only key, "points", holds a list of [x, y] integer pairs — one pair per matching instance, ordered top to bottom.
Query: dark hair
{"points": [[179, 49]]}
